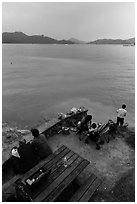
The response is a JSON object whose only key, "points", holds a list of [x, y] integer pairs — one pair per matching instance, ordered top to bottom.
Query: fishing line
{"points": [[113, 101]]}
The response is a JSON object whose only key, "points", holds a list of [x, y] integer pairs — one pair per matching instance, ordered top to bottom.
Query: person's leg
{"points": [[118, 120], [121, 121], [112, 130], [90, 137], [97, 140], [97, 145]]}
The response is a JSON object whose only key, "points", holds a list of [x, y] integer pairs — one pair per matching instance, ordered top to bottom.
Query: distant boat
{"points": [[126, 45]]}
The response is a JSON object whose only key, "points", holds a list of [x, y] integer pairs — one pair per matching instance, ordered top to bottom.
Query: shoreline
{"points": [[11, 135], [114, 163]]}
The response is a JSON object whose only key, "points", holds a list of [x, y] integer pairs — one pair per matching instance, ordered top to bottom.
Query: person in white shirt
{"points": [[121, 114]]}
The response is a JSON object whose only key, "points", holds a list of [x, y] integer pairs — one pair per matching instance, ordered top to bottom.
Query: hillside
{"points": [[21, 38], [74, 40], [113, 41]]}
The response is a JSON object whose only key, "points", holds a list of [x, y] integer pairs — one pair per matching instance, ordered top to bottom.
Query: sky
{"points": [[85, 21]]}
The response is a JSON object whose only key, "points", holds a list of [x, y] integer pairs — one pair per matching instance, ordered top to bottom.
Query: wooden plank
{"points": [[48, 161], [41, 163], [56, 173], [57, 181], [10, 182], [66, 182], [80, 192], [89, 193]]}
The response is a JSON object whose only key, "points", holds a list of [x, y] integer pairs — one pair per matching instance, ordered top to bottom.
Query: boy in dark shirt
{"points": [[40, 145]]}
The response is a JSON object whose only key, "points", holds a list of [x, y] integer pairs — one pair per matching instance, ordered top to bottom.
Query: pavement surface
{"points": [[114, 163]]}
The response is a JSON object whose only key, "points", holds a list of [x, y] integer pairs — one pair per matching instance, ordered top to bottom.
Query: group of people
{"points": [[92, 129], [27, 155]]}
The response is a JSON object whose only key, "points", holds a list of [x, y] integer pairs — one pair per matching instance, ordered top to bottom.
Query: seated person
{"points": [[88, 119], [84, 124], [94, 135], [40, 145], [27, 157]]}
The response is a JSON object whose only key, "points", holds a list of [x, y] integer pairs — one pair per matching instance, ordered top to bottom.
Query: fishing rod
{"points": [[114, 102]]}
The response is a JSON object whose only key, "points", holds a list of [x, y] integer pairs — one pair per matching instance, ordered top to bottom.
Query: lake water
{"points": [[41, 80]]}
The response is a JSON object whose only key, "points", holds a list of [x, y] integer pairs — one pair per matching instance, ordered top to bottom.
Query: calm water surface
{"points": [[41, 80]]}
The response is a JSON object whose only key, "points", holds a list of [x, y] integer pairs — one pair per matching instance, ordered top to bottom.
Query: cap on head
{"points": [[35, 132]]}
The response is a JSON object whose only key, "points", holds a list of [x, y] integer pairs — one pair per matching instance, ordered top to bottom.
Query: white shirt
{"points": [[121, 113]]}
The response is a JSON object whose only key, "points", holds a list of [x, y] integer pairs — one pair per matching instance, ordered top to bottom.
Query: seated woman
{"points": [[94, 135], [23, 157], [27, 157]]}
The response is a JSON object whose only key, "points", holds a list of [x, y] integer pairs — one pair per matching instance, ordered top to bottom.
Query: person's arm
{"points": [[125, 114], [34, 145]]}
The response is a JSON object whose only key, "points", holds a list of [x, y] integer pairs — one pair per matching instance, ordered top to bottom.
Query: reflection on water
{"points": [[45, 79]]}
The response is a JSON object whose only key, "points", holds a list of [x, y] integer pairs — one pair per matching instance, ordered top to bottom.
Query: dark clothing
{"points": [[88, 119], [120, 121], [84, 126], [112, 128], [94, 136], [41, 147], [27, 157], [16, 164]]}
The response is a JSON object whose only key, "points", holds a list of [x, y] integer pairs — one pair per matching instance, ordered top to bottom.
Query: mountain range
{"points": [[22, 38], [76, 41], [112, 41]]}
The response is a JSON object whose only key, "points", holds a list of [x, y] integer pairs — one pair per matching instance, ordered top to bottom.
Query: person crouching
{"points": [[94, 136]]}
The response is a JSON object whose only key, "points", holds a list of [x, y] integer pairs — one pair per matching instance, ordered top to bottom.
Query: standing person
{"points": [[121, 114], [40, 145]]}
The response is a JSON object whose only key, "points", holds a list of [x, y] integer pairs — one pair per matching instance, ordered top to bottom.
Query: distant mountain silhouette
{"points": [[21, 38], [74, 40], [112, 41]]}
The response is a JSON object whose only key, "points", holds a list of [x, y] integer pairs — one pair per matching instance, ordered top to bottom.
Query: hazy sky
{"points": [[63, 20]]}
